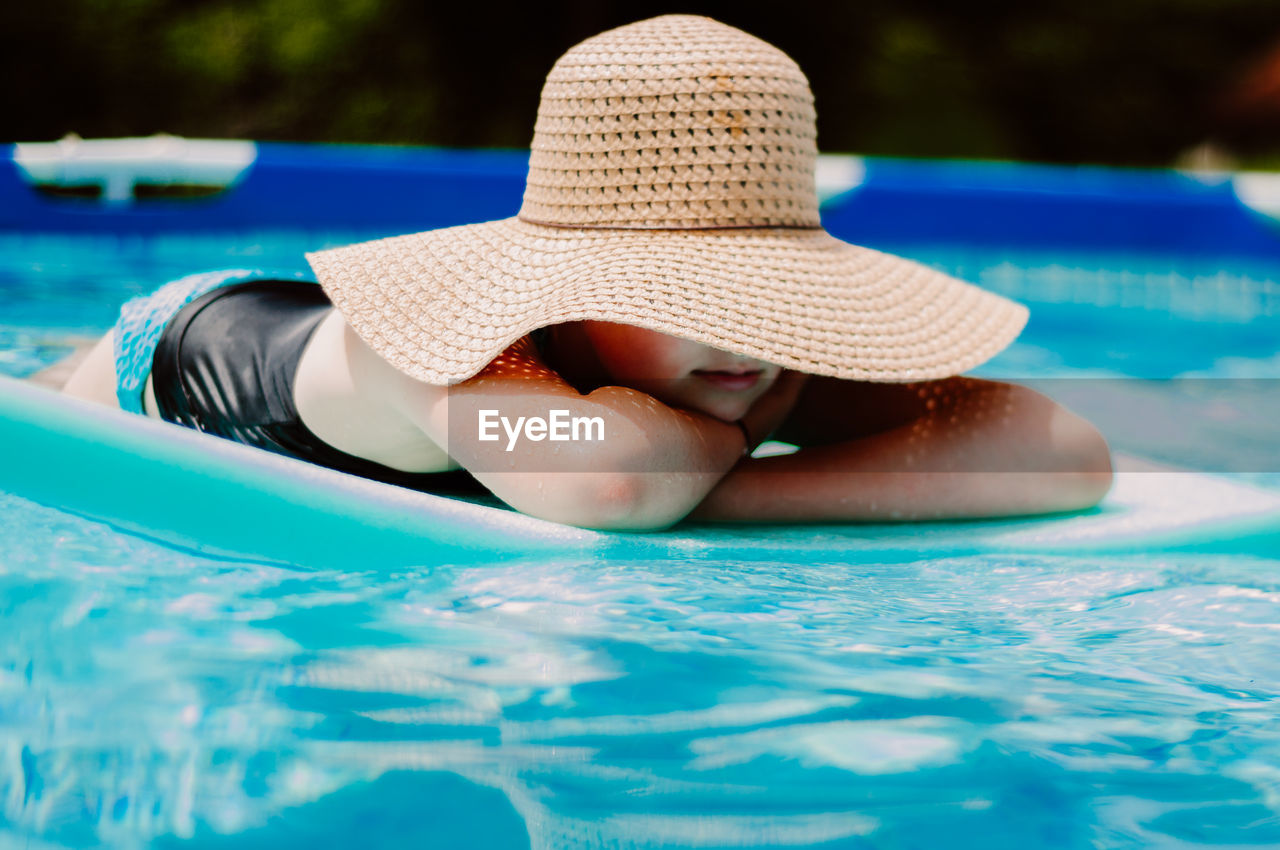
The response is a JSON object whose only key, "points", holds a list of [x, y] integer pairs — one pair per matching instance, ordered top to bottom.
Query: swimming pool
{"points": [[153, 695]]}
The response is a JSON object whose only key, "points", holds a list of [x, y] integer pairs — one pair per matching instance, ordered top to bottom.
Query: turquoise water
{"points": [[152, 696]]}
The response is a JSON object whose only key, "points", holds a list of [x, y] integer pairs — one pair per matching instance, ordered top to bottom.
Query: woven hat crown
{"points": [[674, 122]]}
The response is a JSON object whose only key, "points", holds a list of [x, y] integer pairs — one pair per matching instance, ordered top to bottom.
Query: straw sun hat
{"points": [[671, 186]]}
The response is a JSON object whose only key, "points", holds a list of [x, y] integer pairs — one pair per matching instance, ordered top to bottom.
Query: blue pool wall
{"points": [[397, 190]]}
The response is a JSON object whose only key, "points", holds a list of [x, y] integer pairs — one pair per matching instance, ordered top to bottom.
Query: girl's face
{"points": [[679, 372]]}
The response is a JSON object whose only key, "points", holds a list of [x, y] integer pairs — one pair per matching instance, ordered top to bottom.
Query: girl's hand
{"points": [[772, 409]]}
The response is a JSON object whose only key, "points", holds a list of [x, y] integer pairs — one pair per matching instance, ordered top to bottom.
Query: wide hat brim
{"points": [[441, 304]]}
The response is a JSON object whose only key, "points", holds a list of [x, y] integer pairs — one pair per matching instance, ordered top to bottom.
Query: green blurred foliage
{"points": [[1130, 82]]}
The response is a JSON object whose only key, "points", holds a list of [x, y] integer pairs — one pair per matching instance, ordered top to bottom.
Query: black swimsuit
{"points": [[226, 363]]}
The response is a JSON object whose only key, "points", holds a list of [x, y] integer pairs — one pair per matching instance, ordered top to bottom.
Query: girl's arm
{"points": [[958, 448], [652, 466]]}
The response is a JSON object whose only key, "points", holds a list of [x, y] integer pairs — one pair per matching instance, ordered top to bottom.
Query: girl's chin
{"points": [[726, 406], [729, 411]]}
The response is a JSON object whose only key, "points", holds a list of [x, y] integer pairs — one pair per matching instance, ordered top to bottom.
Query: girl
{"points": [[667, 283]]}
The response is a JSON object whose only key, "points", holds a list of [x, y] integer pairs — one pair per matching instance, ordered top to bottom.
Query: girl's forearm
{"points": [[1028, 456], [651, 466], [755, 495]]}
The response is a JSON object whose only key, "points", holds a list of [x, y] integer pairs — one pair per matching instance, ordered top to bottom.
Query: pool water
{"points": [[154, 696]]}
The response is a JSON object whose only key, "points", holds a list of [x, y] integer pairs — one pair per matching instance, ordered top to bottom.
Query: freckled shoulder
{"points": [[521, 360], [420, 402]]}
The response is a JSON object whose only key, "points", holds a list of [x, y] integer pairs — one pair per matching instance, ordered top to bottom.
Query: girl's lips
{"points": [[729, 380]]}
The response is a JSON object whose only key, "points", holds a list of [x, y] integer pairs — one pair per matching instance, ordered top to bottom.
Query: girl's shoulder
{"points": [[523, 359], [355, 401]]}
